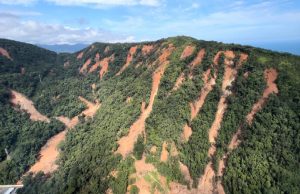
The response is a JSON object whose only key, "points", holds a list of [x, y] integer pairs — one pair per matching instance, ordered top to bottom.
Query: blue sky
{"points": [[87, 21]]}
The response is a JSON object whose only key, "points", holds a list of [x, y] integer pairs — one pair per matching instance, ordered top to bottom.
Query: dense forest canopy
{"points": [[177, 115]]}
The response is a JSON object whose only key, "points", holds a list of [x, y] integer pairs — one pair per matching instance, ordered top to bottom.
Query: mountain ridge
{"points": [[169, 110]]}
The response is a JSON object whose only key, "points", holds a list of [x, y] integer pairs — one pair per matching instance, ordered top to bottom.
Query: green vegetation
{"points": [[267, 160]]}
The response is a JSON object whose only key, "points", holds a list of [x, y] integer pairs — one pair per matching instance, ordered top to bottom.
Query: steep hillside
{"points": [[176, 115]]}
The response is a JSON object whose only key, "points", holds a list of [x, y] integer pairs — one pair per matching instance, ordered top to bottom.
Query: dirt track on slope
{"points": [[131, 52], [5, 53], [18, 99], [126, 143], [49, 152]]}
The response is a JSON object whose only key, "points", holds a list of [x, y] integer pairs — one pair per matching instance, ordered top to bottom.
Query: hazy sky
{"points": [[86, 21]]}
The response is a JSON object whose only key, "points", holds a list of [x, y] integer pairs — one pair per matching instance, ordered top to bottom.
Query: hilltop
{"points": [[177, 115]]}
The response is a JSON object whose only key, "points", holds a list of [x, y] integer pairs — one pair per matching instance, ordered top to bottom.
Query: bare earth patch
{"points": [[147, 49], [188, 51], [131, 52], [5, 53], [80, 55], [97, 57], [198, 59], [104, 65], [85, 66], [270, 77], [178, 82], [18, 99], [187, 132], [126, 143], [49, 152], [164, 153], [144, 169]]}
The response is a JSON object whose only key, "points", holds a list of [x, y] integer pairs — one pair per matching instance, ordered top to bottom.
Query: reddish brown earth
{"points": [[147, 49], [188, 51], [131, 52], [5, 53], [80, 55], [97, 57], [198, 59], [104, 65], [85, 66], [270, 77], [178, 82], [209, 82], [18, 99], [187, 132], [126, 143], [49, 152], [164, 153], [142, 169]]}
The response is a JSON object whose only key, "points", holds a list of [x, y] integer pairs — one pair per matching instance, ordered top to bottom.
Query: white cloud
{"points": [[17, 2], [105, 3], [13, 27]]}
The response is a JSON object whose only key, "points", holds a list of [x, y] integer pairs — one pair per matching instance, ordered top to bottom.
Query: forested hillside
{"points": [[178, 115]]}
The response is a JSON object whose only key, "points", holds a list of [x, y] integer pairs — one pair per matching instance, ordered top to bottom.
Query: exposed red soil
{"points": [[147, 49], [188, 51], [131, 52], [5, 53], [80, 55], [97, 57], [198, 59], [104, 65], [95, 66], [84, 68], [229, 76], [270, 77], [178, 82], [209, 82], [93, 86], [18, 99], [187, 132], [126, 143], [153, 149], [49, 152], [164, 153], [48, 155], [142, 169], [186, 173], [206, 183]]}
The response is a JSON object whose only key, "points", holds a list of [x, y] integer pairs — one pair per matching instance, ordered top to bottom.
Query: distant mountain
{"points": [[290, 47], [63, 48], [176, 115]]}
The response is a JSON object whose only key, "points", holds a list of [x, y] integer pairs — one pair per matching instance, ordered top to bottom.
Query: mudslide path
{"points": [[131, 52], [5, 53], [270, 76], [18, 99], [126, 143], [49, 152]]}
